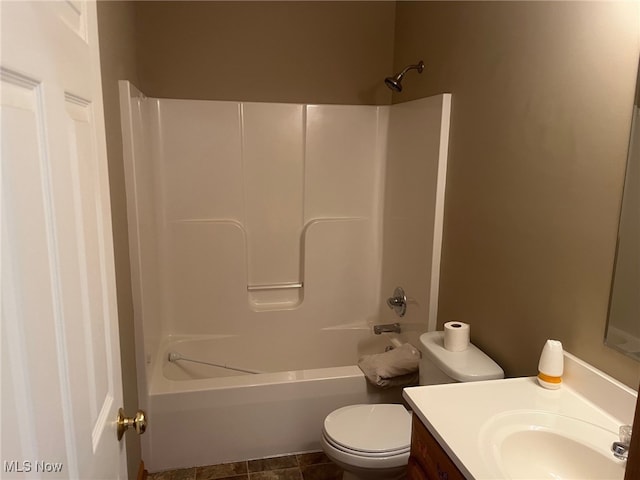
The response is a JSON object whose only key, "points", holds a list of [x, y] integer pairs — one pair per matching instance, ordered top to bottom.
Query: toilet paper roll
{"points": [[456, 336]]}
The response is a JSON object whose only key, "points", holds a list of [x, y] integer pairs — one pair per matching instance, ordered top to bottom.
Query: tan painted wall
{"points": [[116, 26], [295, 52], [319, 52], [542, 95], [538, 134]]}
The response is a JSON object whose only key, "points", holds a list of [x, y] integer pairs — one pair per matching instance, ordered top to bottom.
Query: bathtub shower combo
{"points": [[264, 240]]}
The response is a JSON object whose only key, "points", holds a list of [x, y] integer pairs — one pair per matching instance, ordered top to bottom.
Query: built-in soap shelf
{"points": [[328, 248], [274, 286], [276, 296]]}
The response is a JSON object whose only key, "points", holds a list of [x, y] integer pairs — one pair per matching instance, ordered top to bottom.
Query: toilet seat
{"points": [[372, 431], [358, 453]]}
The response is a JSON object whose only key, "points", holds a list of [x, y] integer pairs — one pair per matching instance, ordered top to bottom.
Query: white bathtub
{"points": [[202, 415]]}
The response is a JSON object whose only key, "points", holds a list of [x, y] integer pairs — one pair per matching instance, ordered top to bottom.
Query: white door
{"points": [[61, 379]]}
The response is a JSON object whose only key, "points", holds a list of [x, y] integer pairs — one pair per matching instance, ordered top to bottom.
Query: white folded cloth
{"points": [[397, 367]]}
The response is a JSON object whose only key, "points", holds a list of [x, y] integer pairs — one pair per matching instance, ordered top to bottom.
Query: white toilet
{"points": [[371, 442]]}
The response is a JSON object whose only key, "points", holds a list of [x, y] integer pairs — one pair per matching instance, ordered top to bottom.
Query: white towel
{"points": [[397, 367]]}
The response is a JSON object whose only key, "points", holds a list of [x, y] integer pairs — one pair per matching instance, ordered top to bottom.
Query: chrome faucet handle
{"points": [[398, 303], [621, 449]]}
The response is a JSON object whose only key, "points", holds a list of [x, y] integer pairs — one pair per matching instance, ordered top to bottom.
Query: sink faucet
{"points": [[386, 328], [621, 449]]}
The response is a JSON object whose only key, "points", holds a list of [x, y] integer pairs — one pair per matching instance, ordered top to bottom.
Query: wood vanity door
{"points": [[427, 455], [415, 471]]}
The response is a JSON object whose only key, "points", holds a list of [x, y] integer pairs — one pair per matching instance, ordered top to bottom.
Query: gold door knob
{"points": [[139, 422]]}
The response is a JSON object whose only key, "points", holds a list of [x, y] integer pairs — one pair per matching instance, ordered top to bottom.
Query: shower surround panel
{"points": [[265, 194], [227, 197], [233, 199], [340, 203]]}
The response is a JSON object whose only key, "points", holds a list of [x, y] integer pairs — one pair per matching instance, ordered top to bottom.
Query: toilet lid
{"points": [[370, 428]]}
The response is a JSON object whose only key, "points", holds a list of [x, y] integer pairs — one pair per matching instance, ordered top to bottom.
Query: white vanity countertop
{"points": [[472, 420]]}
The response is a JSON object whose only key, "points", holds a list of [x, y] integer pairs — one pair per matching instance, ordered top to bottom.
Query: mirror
{"points": [[623, 326]]}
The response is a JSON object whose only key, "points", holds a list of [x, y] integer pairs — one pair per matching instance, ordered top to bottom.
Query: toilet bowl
{"points": [[369, 441], [372, 442]]}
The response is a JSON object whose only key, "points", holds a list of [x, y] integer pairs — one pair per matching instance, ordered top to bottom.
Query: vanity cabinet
{"points": [[427, 460]]}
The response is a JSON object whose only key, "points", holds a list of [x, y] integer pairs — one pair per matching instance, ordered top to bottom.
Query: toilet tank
{"points": [[439, 365]]}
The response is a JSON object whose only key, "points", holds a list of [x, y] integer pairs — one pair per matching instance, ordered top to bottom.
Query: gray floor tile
{"points": [[312, 458], [273, 463], [304, 466], [222, 471], [322, 471], [182, 474], [284, 474], [244, 476]]}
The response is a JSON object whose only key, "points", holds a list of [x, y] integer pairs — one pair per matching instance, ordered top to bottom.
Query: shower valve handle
{"points": [[398, 303]]}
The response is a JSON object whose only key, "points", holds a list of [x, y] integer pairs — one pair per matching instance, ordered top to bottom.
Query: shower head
{"points": [[395, 82]]}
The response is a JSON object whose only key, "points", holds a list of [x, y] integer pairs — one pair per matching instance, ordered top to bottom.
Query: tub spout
{"points": [[386, 328]]}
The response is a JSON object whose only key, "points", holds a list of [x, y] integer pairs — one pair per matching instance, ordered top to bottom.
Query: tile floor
{"points": [[307, 466]]}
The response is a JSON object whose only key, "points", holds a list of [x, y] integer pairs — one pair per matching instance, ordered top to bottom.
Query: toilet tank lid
{"points": [[470, 365]]}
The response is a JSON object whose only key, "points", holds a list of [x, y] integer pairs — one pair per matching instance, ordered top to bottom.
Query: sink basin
{"points": [[515, 429], [541, 445], [555, 458]]}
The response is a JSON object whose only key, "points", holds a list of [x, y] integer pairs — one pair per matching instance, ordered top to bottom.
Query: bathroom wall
{"points": [[116, 26], [256, 50], [291, 51], [542, 95], [416, 168], [257, 195], [228, 200], [530, 216], [143, 224], [624, 313]]}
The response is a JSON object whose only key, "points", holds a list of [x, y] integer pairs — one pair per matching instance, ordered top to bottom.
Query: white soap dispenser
{"points": [[551, 365]]}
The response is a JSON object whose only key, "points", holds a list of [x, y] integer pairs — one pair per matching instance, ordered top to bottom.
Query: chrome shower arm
{"points": [[419, 66], [395, 82]]}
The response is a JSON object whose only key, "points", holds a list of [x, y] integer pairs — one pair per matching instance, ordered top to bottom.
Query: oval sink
{"points": [[542, 445], [540, 454]]}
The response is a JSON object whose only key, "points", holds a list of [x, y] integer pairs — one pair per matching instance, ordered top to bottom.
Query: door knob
{"points": [[139, 422]]}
